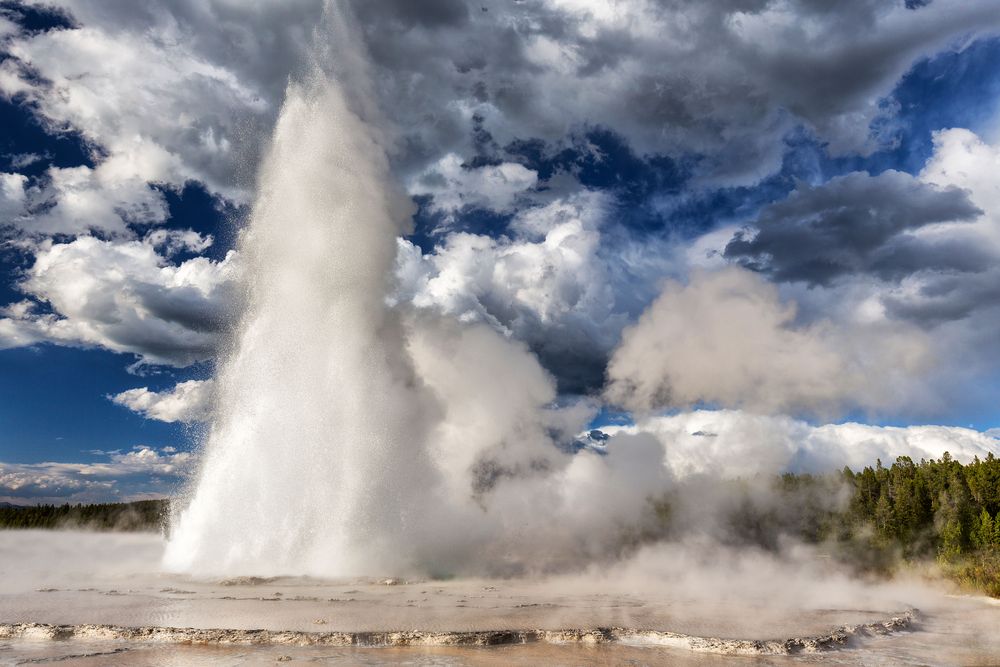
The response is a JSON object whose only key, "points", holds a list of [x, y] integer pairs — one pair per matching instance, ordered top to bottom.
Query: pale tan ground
{"points": [[75, 578], [963, 632], [502, 656]]}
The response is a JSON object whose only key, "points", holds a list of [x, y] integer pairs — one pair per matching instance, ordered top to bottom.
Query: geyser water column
{"points": [[314, 463]]}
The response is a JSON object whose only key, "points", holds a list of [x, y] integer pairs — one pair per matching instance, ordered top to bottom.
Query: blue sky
{"points": [[125, 189]]}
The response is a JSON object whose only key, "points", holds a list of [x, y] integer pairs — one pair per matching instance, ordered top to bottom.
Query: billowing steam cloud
{"points": [[726, 338], [354, 435], [354, 438]]}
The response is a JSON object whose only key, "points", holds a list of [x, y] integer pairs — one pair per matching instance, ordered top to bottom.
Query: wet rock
{"points": [[246, 581], [836, 639]]}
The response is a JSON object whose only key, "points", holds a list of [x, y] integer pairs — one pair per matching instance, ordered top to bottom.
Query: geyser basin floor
{"points": [[80, 578], [86, 578], [466, 606]]}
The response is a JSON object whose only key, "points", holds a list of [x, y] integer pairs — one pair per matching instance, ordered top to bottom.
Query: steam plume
{"points": [[354, 438]]}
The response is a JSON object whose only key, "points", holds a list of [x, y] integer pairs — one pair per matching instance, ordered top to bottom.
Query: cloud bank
{"points": [[734, 443], [142, 472]]}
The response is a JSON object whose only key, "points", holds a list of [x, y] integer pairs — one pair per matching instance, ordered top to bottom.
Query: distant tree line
{"points": [[931, 506], [936, 508], [142, 515], [878, 518]]}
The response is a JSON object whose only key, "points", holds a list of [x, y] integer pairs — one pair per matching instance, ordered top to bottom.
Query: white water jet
{"points": [[352, 438], [312, 460]]}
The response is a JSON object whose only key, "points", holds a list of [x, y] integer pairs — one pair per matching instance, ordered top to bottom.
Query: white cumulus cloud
{"points": [[159, 110], [454, 185], [559, 284], [125, 297], [187, 402], [140, 472]]}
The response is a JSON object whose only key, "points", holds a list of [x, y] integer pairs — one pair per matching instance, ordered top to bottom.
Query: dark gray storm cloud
{"points": [[406, 14], [723, 81], [720, 84], [859, 224], [901, 251], [947, 297]]}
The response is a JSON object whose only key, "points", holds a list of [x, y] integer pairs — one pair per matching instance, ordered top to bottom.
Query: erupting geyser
{"points": [[351, 437], [312, 455]]}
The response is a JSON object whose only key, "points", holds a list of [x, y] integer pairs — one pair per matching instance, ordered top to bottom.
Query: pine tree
{"points": [[983, 530]]}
